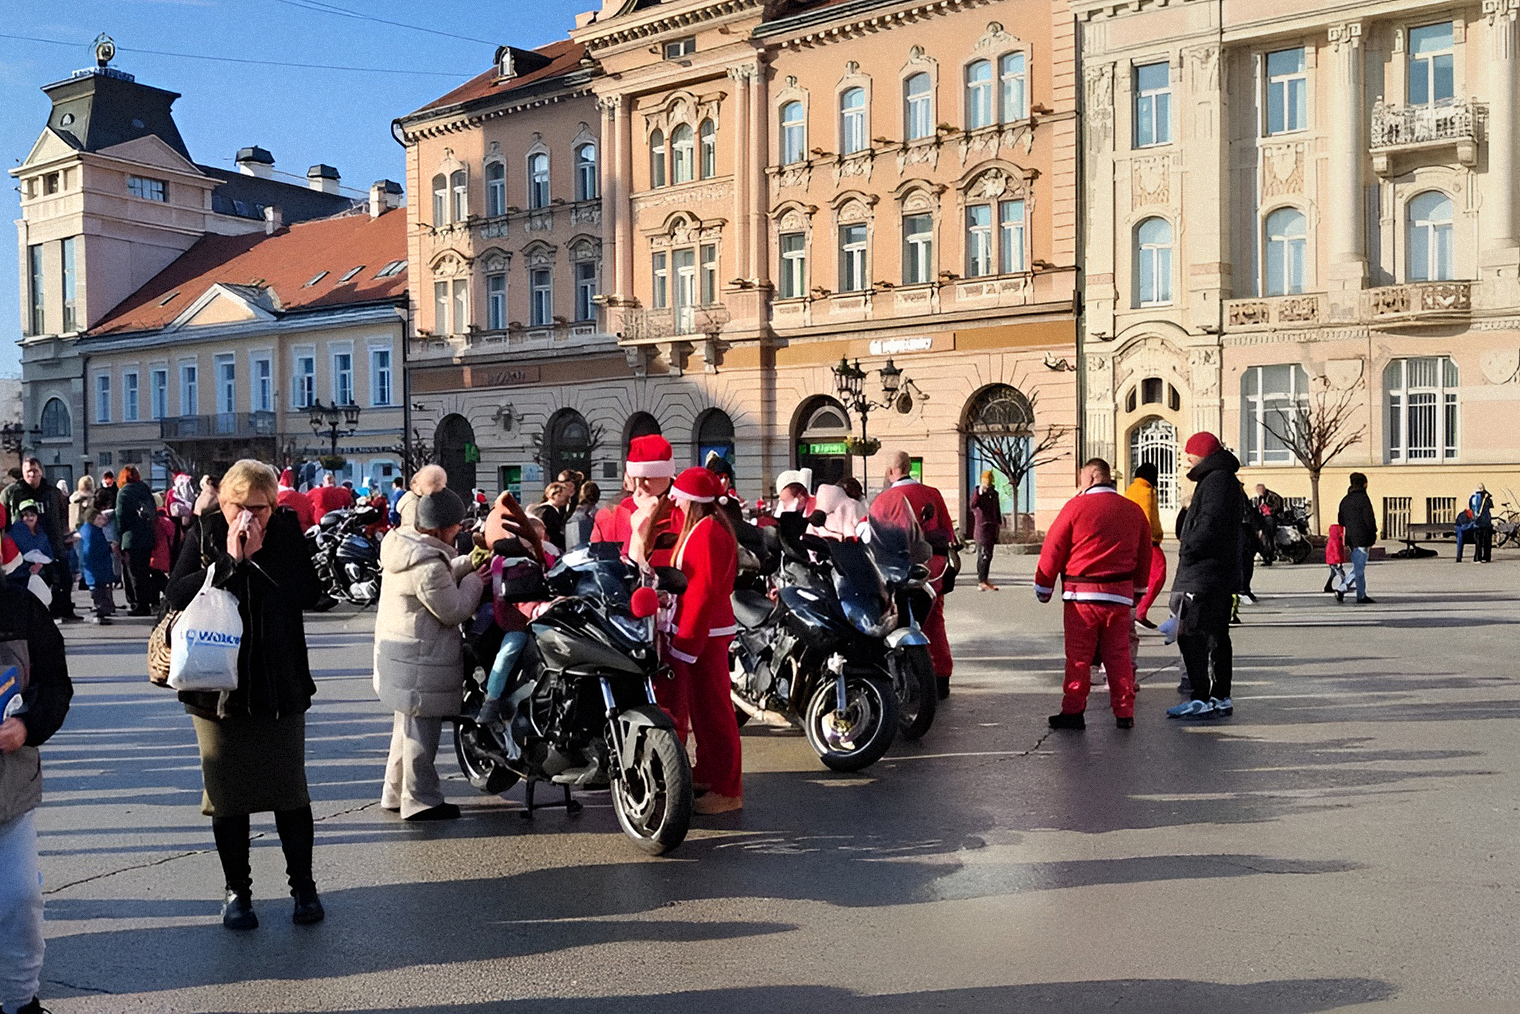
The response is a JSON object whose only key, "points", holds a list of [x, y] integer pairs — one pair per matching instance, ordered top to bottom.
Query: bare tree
{"points": [[1318, 429], [1003, 430], [414, 453]]}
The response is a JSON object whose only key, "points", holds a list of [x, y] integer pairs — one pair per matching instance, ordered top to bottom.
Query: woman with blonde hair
{"points": [[253, 739]]}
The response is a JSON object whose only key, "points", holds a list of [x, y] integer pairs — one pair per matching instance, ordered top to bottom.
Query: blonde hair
{"points": [[248, 475], [86, 485]]}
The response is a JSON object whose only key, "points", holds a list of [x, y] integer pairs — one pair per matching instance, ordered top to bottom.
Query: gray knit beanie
{"points": [[439, 510]]}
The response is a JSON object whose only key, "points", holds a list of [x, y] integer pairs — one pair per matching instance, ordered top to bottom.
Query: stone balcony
{"points": [[1397, 130], [1418, 303], [1266, 313], [555, 339]]}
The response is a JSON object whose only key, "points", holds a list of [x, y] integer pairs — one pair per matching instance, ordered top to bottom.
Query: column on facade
{"points": [[743, 156], [611, 187], [759, 204], [1345, 208], [1498, 216], [623, 235]]}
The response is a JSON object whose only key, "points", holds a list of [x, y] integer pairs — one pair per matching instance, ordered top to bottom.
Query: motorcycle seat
{"points": [[752, 608]]}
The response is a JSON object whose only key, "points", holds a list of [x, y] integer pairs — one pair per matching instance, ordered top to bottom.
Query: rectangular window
{"points": [[677, 48], [1431, 57], [1014, 91], [1287, 92], [978, 95], [1153, 104], [919, 111], [852, 121], [793, 133], [148, 189], [496, 189], [1011, 238], [978, 240], [918, 249], [852, 258], [709, 259], [684, 263], [793, 265], [70, 286], [585, 290], [543, 297], [660, 298], [496, 302], [461, 305], [441, 308], [38, 319], [379, 377], [343, 378], [303, 381], [263, 384], [226, 385], [158, 393], [189, 393], [129, 396], [102, 397], [1269, 398], [1422, 408]]}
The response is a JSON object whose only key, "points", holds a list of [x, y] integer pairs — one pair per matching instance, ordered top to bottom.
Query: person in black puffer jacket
{"points": [[1359, 520], [1208, 577]]}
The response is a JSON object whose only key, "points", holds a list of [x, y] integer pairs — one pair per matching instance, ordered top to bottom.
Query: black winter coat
{"points": [[137, 517], [1358, 518], [1209, 557], [272, 588]]}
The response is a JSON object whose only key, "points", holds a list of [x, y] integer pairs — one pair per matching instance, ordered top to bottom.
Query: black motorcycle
{"points": [[347, 560], [815, 653], [579, 710]]}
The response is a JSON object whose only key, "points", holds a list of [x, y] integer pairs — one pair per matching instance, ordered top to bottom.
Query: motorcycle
{"points": [[1291, 542], [347, 560], [827, 651], [579, 710]]}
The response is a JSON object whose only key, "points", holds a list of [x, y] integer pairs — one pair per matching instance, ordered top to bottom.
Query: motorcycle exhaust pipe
{"points": [[759, 714]]}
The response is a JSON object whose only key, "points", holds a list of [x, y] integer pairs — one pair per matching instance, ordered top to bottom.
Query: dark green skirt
{"points": [[252, 765]]}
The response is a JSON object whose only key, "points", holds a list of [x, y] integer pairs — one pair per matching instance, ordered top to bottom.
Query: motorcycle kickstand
{"points": [[571, 806]]}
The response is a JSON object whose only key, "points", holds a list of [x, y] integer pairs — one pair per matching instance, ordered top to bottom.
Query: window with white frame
{"points": [[1432, 58], [1014, 88], [1287, 92], [979, 94], [1153, 104], [918, 106], [852, 121], [793, 133], [707, 135], [683, 153], [657, 159], [585, 173], [538, 180], [459, 186], [496, 188], [440, 200], [1429, 220], [1011, 237], [978, 240], [918, 249], [1283, 253], [852, 258], [707, 262], [1153, 262], [683, 265], [660, 273], [793, 279], [70, 285], [585, 290], [496, 301], [542, 306], [461, 307], [441, 308], [37, 317], [343, 377], [303, 378], [189, 384], [226, 384], [158, 392], [380, 392], [262, 395], [1270, 396], [102, 397], [129, 405], [1422, 409]]}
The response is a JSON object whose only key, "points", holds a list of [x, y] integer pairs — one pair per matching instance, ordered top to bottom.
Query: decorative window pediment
{"points": [[680, 107], [540, 254], [450, 264]]}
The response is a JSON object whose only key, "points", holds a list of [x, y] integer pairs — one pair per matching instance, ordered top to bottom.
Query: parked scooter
{"points": [[1292, 539], [347, 560]]}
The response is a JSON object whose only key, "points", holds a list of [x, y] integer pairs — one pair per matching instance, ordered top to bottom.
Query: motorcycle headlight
{"points": [[867, 623]]}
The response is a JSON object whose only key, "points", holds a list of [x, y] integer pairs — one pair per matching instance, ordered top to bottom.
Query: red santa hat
{"points": [[650, 457], [288, 479], [697, 485], [10, 555]]}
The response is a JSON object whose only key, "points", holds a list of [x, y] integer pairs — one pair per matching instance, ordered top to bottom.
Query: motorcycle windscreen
{"points": [[895, 548], [857, 581]]}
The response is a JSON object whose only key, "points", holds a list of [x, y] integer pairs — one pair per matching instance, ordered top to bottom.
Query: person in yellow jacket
{"points": [[1143, 492]]}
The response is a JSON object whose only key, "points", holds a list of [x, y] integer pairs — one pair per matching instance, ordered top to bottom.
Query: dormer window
{"points": [[677, 48], [147, 189]]}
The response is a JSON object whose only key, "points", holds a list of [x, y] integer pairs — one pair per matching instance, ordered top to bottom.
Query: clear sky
{"points": [[300, 114]]}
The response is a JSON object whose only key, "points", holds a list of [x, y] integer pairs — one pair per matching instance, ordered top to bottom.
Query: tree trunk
{"points": [[1314, 497]]}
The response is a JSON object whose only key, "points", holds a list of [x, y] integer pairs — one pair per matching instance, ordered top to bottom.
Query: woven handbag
{"points": [[158, 649]]}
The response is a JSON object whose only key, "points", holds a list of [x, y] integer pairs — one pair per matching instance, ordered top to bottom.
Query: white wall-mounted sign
{"points": [[898, 346]]}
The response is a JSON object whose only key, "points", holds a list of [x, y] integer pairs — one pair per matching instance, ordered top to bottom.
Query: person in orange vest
{"points": [[651, 466], [1142, 492], [1100, 548]]}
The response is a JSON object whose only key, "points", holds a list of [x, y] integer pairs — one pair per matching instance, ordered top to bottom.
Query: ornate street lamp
{"points": [[849, 384], [336, 420], [13, 439]]}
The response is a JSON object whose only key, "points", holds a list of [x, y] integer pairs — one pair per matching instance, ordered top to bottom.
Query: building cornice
{"points": [[853, 20], [630, 29], [467, 115], [390, 311]]}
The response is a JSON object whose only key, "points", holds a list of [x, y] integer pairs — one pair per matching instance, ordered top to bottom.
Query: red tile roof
{"points": [[564, 56], [281, 264]]}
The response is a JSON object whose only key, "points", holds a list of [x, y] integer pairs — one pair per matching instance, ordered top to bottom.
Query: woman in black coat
{"points": [[253, 739]]}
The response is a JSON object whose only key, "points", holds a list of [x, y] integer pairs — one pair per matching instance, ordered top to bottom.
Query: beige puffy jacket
{"points": [[425, 594]]}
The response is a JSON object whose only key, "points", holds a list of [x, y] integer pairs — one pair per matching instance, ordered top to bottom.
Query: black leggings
{"points": [[984, 562], [1203, 634], [297, 835]]}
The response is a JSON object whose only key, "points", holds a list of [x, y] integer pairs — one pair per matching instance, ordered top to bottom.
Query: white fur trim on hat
{"points": [[651, 469], [802, 476], [677, 493]]}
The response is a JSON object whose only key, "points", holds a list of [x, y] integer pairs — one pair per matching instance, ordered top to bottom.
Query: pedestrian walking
{"points": [[1142, 492], [105, 494], [81, 500], [1481, 505], [1268, 507], [52, 517], [137, 520], [582, 520], [1359, 522], [986, 523], [1250, 545], [1100, 548], [1335, 558], [95, 563], [1208, 576], [426, 593], [31, 655], [252, 740]]}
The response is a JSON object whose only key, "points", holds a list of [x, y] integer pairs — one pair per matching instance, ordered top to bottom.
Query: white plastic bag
{"points": [[38, 587], [203, 651]]}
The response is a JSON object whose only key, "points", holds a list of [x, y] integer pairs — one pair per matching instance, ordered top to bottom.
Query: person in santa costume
{"points": [[651, 467], [907, 501], [1100, 547], [708, 555]]}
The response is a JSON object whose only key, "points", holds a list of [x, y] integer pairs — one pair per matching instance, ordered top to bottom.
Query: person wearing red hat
{"points": [[650, 468], [293, 498], [708, 555], [1208, 577]]}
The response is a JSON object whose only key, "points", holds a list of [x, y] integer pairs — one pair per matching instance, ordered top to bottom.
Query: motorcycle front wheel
{"points": [[1299, 551], [917, 692], [857, 736], [472, 744], [653, 799]]}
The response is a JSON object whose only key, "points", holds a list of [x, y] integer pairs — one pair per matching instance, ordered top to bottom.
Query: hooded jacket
{"points": [[1144, 494], [1358, 518], [1209, 556], [426, 592]]}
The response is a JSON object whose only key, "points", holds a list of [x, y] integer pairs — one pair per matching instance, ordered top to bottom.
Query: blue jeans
{"points": [[1359, 570], [512, 644], [20, 912]]}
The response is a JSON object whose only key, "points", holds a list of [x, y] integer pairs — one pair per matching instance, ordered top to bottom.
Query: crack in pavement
{"points": [[82, 989]]}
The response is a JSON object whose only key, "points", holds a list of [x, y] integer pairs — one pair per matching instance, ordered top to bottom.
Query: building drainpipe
{"points": [[1080, 295], [407, 320], [84, 416]]}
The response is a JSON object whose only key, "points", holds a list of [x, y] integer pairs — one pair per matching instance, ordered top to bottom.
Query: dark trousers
{"points": [[1483, 544], [984, 561], [1248, 563], [62, 582], [141, 591], [1203, 634], [297, 835]]}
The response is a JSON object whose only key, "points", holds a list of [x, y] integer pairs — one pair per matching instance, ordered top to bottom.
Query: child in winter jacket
{"points": [[1335, 557], [95, 563]]}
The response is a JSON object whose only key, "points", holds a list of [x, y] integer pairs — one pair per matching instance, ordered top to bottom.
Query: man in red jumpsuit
{"points": [[651, 467], [903, 501], [1100, 547]]}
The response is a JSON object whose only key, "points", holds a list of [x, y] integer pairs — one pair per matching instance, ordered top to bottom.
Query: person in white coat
{"points": [[425, 594]]}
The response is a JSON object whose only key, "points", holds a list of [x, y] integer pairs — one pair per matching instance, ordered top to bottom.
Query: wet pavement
{"points": [[1348, 841]]}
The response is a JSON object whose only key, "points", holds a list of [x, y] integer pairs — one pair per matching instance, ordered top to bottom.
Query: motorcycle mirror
{"points": [[817, 518], [669, 579], [644, 603]]}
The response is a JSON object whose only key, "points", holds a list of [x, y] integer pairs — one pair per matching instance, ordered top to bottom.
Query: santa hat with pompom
{"points": [[651, 457], [698, 485]]}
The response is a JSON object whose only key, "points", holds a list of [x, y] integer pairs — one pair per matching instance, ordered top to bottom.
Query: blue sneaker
{"points": [[1168, 629], [1224, 708], [1191, 709]]}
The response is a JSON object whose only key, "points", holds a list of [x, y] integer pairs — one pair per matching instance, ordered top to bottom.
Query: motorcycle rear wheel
{"points": [[1299, 551], [917, 693], [857, 737], [484, 772], [654, 807]]}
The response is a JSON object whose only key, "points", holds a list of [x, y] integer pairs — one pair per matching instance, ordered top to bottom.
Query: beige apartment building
{"points": [[778, 186], [1294, 198]]}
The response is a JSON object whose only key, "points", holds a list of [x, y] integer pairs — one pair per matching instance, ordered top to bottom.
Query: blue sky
{"points": [[303, 116]]}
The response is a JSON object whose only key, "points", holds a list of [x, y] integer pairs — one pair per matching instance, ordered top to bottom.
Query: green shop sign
{"points": [[824, 450]]}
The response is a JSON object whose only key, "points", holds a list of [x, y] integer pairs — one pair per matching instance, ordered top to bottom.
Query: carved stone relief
{"points": [[1100, 107], [854, 165], [1282, 169], [1151, 180], [1500, 366], [1204, 367]]}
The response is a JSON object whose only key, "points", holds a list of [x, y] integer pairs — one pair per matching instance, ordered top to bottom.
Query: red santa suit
{"points": [[649, 457], [325, 499], [900, 505], [1100, 546]]}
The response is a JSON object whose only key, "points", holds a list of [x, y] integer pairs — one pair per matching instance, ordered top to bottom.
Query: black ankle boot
{"points": [[942, 685], [1065, 721], [308, 909], [237, 911]]}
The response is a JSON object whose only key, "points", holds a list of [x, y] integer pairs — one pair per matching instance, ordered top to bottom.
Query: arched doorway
{"points": [[640, 424], [822, 429], [713, 434], [1000, 437], [1155, 440], [454, 444], [567, 444]]}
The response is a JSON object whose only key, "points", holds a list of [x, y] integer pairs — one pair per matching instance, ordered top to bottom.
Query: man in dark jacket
{"points": [[54, 509], [137, 519], [1360, 522], [1208, 576], [31, 661]]}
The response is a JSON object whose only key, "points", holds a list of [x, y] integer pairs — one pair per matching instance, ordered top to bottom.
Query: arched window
{"points": [[979, 94], [918, 106], [852, 120], [708, 134], [793, 134], [682, 155], [657, 159], [585, 173], [538, 180], [459, 183], [496, 189], [440, 200], [1429, 232], [1283, 258], [1153, 262], [55, 419], [640, 424], [821, 429], [714, 434], [1000, 437], [453, 442], [1154, 442], [567, 443]]}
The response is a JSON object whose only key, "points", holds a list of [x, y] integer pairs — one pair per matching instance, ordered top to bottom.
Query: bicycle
{"points": [[1507, 523]]}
